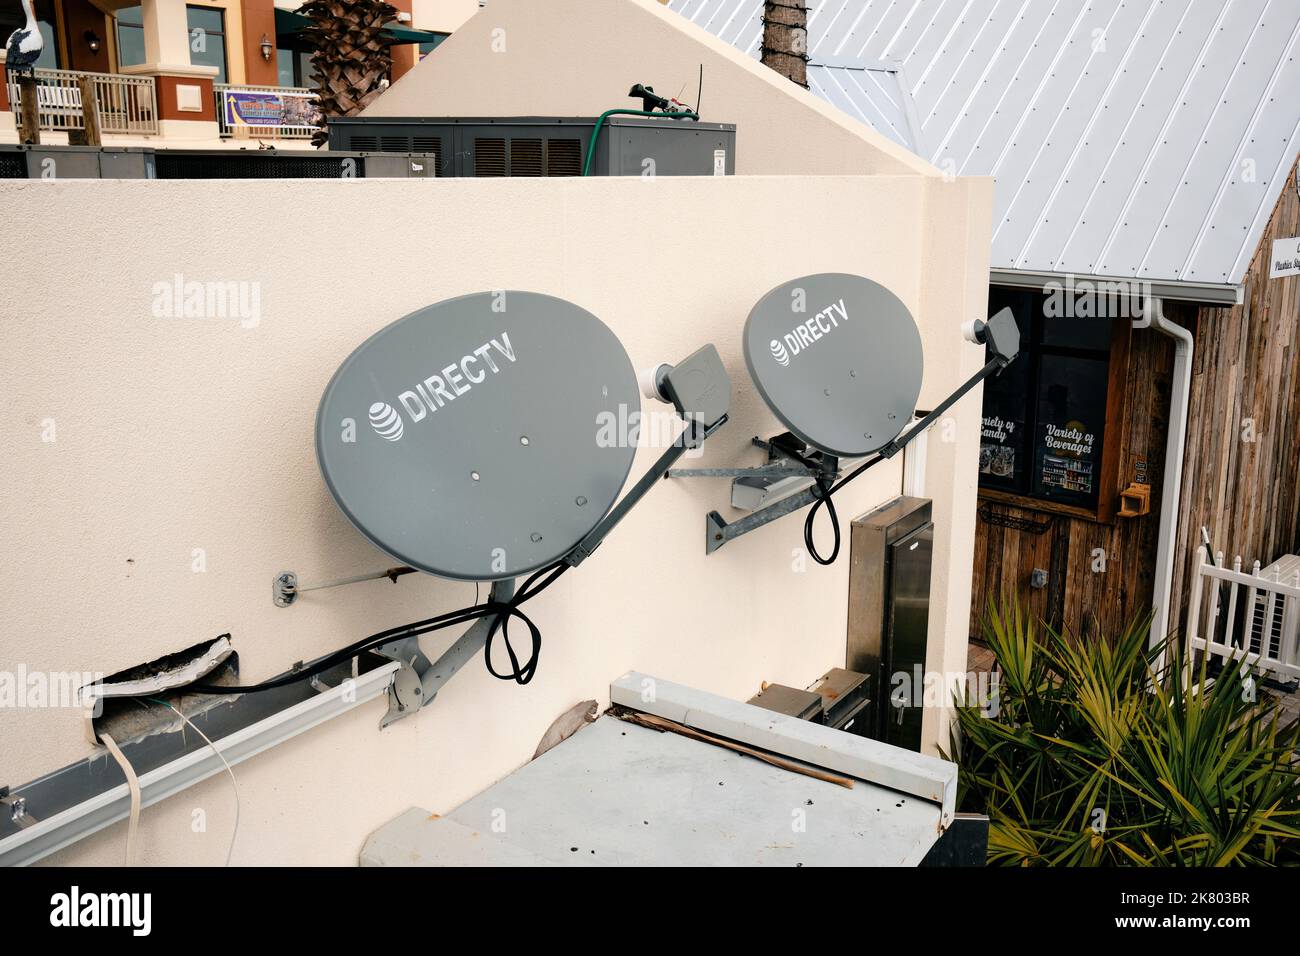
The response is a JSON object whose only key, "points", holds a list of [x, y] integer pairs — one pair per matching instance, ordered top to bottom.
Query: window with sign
{"points": [[1047, 417]]}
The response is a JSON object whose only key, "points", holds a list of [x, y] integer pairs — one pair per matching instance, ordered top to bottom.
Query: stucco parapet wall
{"points": [[578, 57], [169, 459]]}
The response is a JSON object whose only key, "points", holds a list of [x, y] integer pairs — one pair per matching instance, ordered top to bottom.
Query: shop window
{"points": [[207, 27], [1050, 438]]}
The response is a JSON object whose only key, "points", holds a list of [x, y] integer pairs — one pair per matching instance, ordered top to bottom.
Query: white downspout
{"points": [[1153, 317]]}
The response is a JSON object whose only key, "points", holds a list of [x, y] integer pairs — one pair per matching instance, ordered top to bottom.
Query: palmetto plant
{"points": [[352, 54], [1095, 754]]}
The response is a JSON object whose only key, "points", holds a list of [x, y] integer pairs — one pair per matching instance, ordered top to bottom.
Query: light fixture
{"points": [[92, 40], [267, 47]]}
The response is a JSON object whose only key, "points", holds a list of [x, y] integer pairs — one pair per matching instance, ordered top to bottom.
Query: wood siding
{"points": [[1247, 370]]}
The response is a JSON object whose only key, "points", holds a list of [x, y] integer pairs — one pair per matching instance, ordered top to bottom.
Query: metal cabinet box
{"points": [[547, 145], [62, 162], [132, 162], [399, 166], [889, 613]]}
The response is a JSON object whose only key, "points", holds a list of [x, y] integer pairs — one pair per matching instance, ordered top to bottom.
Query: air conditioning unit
{"points": [[547, 145], [1266, 632]]}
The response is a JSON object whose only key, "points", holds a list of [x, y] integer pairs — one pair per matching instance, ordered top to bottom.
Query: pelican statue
{"points": [[25, 45]]}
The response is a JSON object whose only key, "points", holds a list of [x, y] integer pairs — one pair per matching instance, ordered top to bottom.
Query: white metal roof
{"points": [[1143, 139]]}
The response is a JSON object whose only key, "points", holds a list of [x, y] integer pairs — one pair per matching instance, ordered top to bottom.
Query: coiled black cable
{"points": [[823, 494], [501, 611]]}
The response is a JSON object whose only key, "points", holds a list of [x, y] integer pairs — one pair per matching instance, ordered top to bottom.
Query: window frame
{"points": [[223, 33], [1114, 432]]}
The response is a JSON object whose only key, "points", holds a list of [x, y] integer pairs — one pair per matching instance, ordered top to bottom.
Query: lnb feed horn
{"points": [[837, 359], [485, 438]]}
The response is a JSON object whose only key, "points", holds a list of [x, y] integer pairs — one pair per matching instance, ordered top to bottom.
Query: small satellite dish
{"points": [[837, 358], [466, 438]]}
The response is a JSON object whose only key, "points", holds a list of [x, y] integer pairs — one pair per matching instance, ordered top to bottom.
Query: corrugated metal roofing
{"points": [[1143, 139]]}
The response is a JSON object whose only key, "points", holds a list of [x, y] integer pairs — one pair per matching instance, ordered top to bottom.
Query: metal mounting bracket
{"points": [[285, 588], [418, 680]]}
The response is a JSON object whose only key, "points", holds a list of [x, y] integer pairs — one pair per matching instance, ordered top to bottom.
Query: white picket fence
{"points": [[1257, 624]]}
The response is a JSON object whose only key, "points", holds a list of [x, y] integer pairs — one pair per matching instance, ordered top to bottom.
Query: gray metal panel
{"points": [[1141, 139], [62, 162], [871, 582], [617, 794]]}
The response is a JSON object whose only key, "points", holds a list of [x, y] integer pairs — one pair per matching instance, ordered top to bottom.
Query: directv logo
{"points": [[806, 333], [386, 421]]}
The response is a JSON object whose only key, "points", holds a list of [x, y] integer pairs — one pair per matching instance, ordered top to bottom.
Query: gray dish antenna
{"points": [[838, 360], [486, 437], [466, 438]]}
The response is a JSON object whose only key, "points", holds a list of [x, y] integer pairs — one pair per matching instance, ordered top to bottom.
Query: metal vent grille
{"points": [[365, 144], [394, 144], [431, 145], [489, 156], [525, 157], [563, 157], [251, 165], [12, 166]]}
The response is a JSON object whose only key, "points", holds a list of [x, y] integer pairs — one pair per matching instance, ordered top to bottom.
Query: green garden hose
{"points": [[595, 133]]}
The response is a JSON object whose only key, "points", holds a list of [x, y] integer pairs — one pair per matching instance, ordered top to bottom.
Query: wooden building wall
{"points": [[1241, 476]]}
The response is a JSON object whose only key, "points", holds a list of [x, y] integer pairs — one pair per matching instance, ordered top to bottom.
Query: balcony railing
{"points": [[127, 104], [265, 112]]}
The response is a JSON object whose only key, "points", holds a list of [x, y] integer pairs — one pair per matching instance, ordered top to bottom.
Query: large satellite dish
{"points": [[837, 358], [465, 439]]}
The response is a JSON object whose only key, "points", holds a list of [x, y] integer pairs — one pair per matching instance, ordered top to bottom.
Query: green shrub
{"points": [[1093, 754]]}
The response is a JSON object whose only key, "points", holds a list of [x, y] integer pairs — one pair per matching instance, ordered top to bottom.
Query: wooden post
{"points": [[785, 39], [29, 117], [89, 134]]}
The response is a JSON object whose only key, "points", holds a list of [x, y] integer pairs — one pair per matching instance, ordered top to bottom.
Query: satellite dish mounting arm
{"points": [[699, 388], [419, 680]]}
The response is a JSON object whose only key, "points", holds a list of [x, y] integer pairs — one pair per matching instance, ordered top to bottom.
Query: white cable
{"points": [[222, 757], [133, 784]]}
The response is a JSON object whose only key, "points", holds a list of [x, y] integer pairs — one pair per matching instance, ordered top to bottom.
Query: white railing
{"points": [[127, 104], [265, 112], [1257, 625]]}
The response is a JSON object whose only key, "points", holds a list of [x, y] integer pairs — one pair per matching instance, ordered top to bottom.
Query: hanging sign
{"points": [[269, 110], [1285, 260]]}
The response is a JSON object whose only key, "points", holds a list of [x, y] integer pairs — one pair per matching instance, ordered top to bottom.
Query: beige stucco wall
{"points": [[441, 16], [580, 58], [178, 434]]}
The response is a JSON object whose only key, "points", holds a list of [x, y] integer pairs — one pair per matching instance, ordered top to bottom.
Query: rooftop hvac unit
{"points": [[548, 145], [287, 164], [1268, 612]]}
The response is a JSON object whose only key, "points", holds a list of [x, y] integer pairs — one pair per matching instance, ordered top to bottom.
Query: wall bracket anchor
{"points": [[285, 588], [418, 680]]}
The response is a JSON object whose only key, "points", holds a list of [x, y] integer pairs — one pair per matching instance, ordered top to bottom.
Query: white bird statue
{"points": [[25, 45]]}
